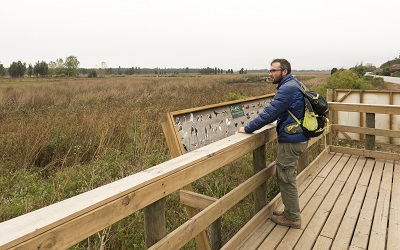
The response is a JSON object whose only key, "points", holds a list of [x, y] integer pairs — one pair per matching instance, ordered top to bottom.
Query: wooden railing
{"points": [[68, 222]]}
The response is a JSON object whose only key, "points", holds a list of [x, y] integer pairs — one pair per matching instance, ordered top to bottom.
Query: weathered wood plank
{"points": [[365, 108], [365, 130], [366, 153], [304, 179], [195, 200], [307, 213], [336, 215], [198, 223], [364, 223], [310, 234], [258, 236], [275, 237], [343, 237], [377, 239], [393, 240], [323, 243]]}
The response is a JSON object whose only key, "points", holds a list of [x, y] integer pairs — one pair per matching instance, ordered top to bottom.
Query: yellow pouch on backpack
{"points": [[310, 120]]}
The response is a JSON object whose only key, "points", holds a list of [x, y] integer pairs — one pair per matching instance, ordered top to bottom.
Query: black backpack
{"points": [[315, 121]]}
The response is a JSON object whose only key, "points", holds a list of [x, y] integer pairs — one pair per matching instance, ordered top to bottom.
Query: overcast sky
{"points": [[311, 34]]}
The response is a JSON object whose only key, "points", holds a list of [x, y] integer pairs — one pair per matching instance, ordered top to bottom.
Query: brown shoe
{"points": [[278, 213], [283, 221]]}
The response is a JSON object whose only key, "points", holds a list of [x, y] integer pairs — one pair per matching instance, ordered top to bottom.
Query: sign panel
{"points": [[195, 128]]}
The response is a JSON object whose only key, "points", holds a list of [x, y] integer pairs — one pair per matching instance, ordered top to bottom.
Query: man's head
{"points": [[279, 69]]}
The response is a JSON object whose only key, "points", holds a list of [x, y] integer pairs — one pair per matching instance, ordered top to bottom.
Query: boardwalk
{"points": [[349, 202]]}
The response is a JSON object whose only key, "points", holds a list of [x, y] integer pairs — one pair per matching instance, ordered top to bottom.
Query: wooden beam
{"points": [[344, 97], [365, 108], [365, 130], [345, 135], [174, 146], [365, 153], [259, 163], [195, 200], [188, 230]]}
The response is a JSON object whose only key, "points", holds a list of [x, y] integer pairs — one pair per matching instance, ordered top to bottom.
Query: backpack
{"points": [[315, 121]]}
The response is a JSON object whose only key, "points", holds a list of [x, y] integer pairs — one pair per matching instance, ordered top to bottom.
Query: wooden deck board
{"points": [[351, 203], [338, 211], [364, 223], [311, 233], [290, 239], [377, 239], [393, 241]]}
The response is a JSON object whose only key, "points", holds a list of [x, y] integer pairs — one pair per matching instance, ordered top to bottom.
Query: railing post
{"points": [[329, 98], [370, 139], [259, 163], [154, 222], [216, 236]]}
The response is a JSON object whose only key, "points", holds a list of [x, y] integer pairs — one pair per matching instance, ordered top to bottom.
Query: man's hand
{"points": [[241, 130]]}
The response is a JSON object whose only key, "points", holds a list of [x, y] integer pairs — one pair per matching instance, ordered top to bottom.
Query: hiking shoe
{"points": [[278, 213], [283, 221]]}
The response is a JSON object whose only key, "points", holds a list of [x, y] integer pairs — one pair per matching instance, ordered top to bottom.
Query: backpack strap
{"points": [[302, 87], [294, 117]]}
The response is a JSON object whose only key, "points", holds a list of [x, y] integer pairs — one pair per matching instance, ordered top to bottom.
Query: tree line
{"points": [[60, 67], [70, 67]]}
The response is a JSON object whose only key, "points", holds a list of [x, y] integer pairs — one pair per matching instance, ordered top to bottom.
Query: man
{"points": [[291, 141]]}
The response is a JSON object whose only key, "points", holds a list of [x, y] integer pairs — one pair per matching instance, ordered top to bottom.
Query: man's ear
{"points": [[284, 72]]}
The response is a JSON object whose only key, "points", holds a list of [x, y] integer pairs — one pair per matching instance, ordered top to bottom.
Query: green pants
{"points": [[286, 173]]}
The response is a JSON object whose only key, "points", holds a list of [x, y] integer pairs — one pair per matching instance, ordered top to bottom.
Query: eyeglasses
{"points": [[274, 70]]}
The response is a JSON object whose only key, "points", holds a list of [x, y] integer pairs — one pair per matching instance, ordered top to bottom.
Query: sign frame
{"points": [[189, 129]]}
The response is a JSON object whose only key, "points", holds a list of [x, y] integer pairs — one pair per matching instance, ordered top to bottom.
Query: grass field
{"points": [[61, 137]]}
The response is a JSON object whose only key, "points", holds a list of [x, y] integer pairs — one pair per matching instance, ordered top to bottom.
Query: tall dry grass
{"points": [[61, 137]]}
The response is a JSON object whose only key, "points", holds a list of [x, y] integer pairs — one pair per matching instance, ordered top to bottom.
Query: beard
{"points": [[277, 79]]}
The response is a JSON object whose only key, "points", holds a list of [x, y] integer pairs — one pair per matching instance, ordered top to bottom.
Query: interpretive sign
{"points": [[190, 129]]}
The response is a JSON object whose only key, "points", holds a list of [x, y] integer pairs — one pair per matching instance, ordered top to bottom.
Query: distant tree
{"points": [[71, 65], [59, 67], [370, 67], [52, 68], [17, 69], [41, 69], [360, 69], [2, 70], [30, 70], [334, 70], [207, 71], [241, 71], [385, 71], [92, 73]]}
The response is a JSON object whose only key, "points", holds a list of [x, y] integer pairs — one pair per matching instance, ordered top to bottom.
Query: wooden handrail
{"points": [[365, 108], [68, 222]]}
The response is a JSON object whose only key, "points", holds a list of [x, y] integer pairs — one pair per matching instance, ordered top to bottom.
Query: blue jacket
{"points": [[287, 97]]}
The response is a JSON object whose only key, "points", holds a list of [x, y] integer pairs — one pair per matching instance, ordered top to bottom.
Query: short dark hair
{"points": [[284, 64]]}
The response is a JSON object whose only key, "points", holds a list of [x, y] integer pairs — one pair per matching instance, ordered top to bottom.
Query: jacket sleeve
{"points": [[279, 104]]}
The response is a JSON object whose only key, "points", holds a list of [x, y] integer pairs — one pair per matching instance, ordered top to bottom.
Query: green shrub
{"points": [[396, 74]]}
